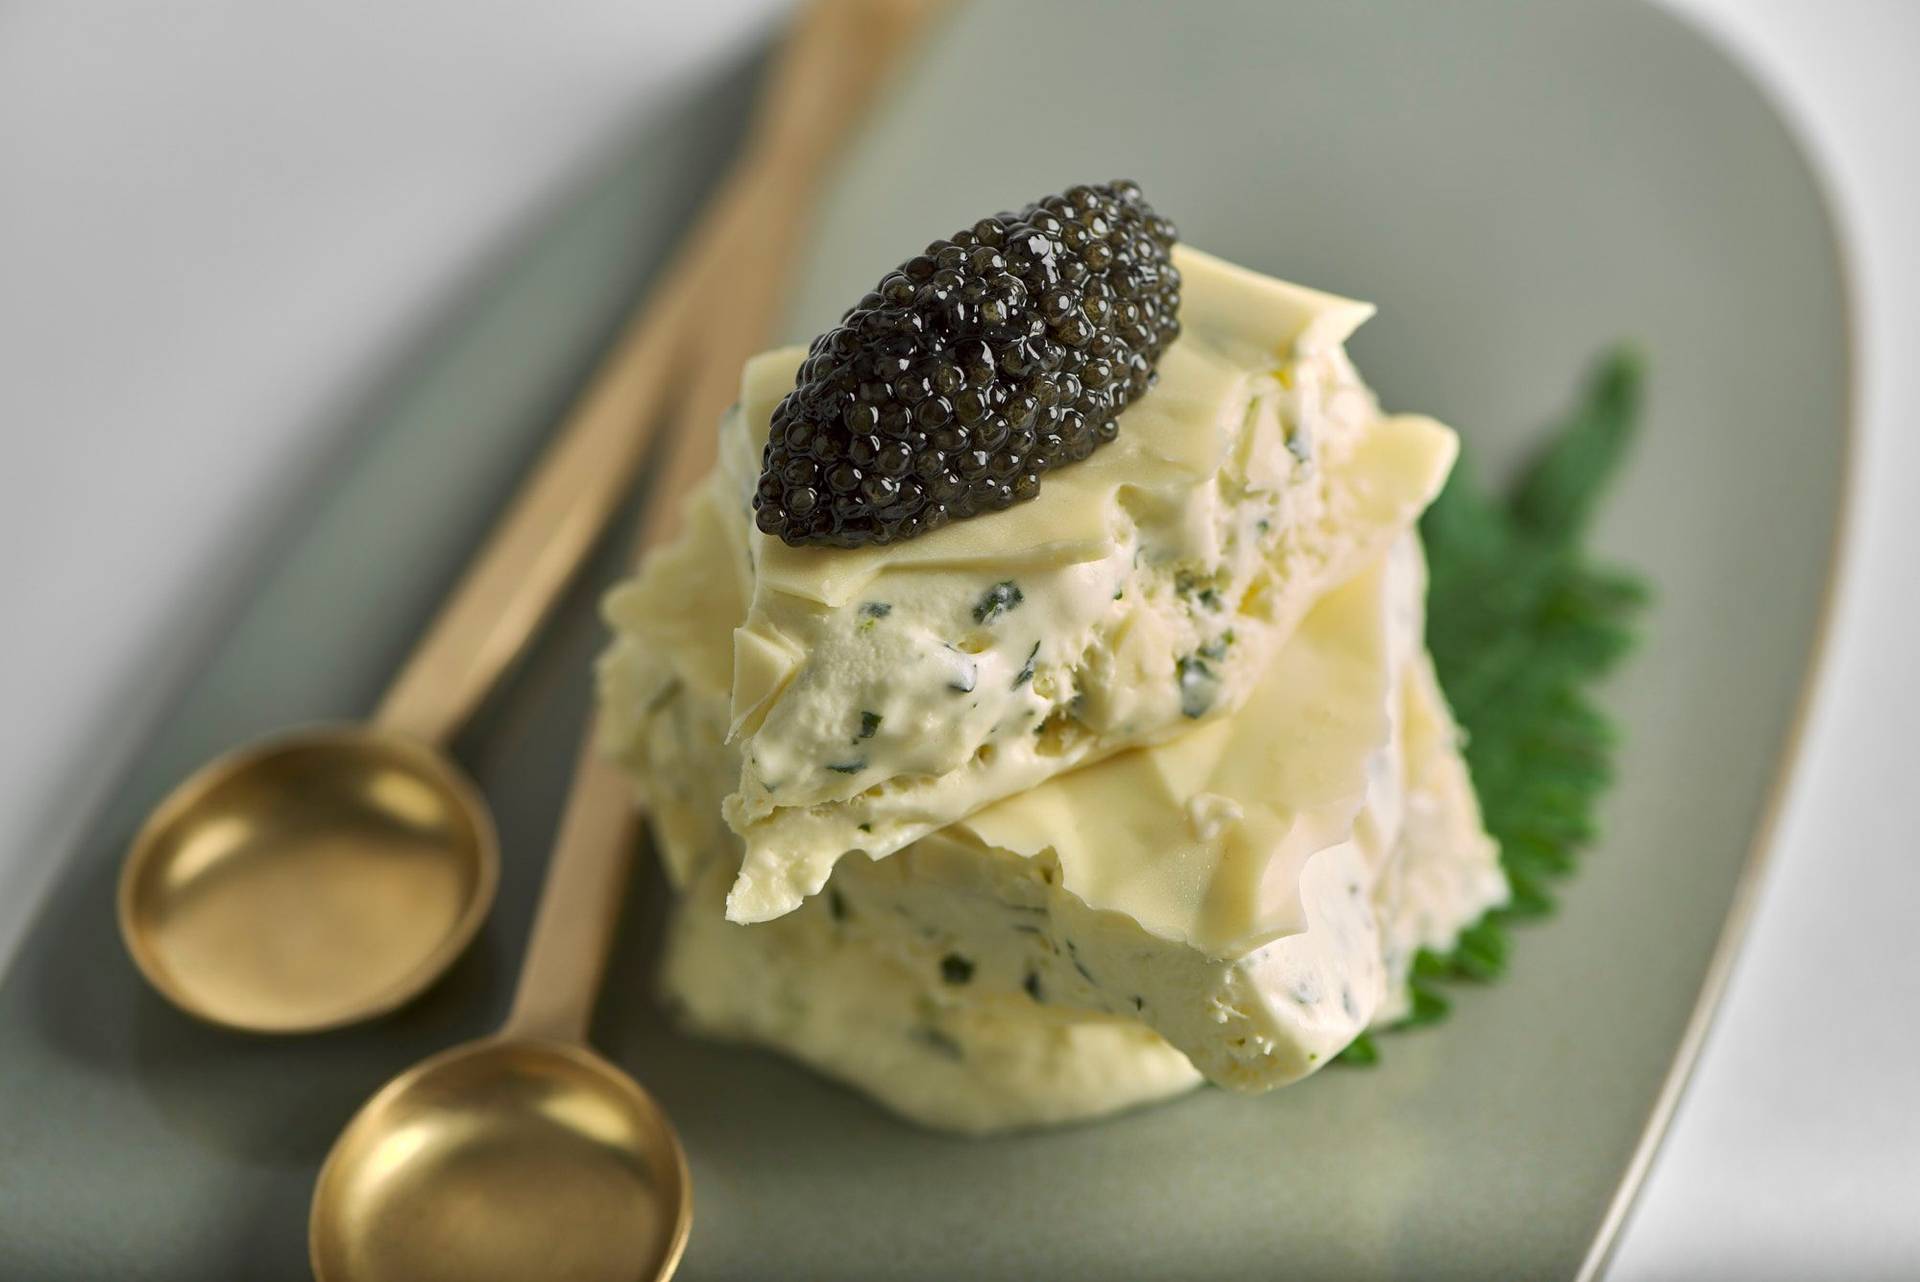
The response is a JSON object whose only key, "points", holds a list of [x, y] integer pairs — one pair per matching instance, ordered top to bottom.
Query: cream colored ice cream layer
{"points": [[879, 694], [1254, 890], [803, 985], [821, 985], [815, 986], [1251, 1017]]}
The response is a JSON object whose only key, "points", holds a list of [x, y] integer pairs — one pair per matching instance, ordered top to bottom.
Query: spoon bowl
{"points": [[309, 881], [504, 1159]]}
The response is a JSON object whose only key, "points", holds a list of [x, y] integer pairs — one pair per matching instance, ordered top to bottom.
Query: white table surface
{"points": [[193, 299]]}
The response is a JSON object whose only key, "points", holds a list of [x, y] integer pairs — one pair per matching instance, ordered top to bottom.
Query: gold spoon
{"points": [[330, 874], [522, 1155]]}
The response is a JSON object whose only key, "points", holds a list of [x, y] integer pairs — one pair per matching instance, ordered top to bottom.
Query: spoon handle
{"points": [[836, 57], [823, 78], [551, 524], [599, 828], [573, 928]]}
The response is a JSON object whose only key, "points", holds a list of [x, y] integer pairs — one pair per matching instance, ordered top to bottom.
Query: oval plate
{"points": [[1517, 185]]}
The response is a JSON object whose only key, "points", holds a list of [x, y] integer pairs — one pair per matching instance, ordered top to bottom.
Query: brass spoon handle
{"points": [[836, 58], [824, 77], [551, 525], [573, 928]]}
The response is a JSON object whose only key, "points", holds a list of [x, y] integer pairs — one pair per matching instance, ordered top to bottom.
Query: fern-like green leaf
{"points": [[1522, 624]]}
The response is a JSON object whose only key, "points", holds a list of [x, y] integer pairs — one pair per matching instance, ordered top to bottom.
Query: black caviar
{"points": [[999, 353]]}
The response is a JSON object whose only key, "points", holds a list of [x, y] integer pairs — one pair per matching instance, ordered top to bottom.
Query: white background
{"points": [[219, 219]]}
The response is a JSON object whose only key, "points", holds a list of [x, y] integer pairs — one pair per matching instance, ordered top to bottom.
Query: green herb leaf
{"points": [[1555, 498], [997, 600], [1522, 624], [1026, 669], [1429, 1007], [1361, 1052]]}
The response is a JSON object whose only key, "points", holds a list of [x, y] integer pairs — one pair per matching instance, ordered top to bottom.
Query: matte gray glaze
{"points": [[1517, 185]]}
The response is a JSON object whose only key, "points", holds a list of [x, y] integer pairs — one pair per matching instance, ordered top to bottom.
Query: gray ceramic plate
{"points": [[1517, 185]]}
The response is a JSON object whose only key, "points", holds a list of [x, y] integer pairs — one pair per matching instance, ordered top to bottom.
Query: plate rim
{"points": [[1815, 672]]}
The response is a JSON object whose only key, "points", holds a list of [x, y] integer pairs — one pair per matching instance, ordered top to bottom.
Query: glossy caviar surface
{"points": [[971, 370]]}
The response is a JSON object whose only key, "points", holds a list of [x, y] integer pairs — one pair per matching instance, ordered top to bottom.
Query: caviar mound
{"points": [[972, 369]]}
